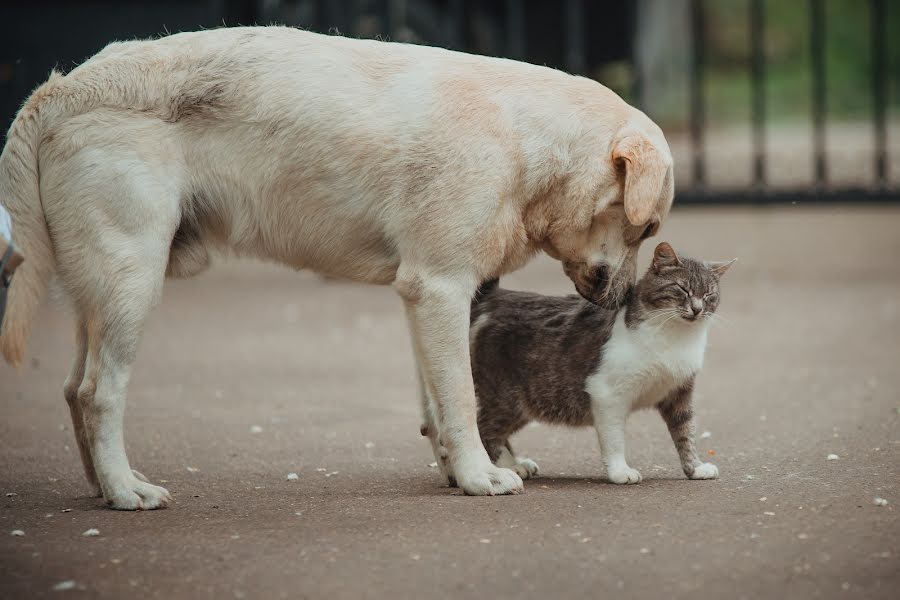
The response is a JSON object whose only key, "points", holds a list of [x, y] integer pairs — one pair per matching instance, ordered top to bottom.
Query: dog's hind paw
{"points": [[135, 494]]}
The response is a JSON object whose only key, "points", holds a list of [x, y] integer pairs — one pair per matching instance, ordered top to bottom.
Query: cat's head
{"points": [[678, 287]]}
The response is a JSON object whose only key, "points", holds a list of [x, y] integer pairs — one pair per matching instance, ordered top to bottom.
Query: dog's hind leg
{"points": [[112, 228], [113, 334], [70, 391]]}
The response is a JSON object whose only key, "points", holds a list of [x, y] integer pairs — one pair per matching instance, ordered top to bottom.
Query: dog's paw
{"points": [[525, 468], [705, 471], [624, 475], [489, 481], [134, 494]]}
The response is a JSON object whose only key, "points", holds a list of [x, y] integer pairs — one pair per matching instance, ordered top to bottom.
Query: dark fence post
{"points": [[456, 24], [515, 29], [817, 37], [575, 61], [758, 90], [879, 91], [698, 107]]}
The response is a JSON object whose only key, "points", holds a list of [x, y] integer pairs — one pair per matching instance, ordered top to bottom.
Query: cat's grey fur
{"points": [[533, 356]]}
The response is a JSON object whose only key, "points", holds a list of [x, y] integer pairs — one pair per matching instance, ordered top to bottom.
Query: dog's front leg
{"points": [[438, 313], [431, 429]]}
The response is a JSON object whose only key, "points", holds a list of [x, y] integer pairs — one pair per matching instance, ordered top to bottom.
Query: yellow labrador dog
{"points": [[385, 163]]}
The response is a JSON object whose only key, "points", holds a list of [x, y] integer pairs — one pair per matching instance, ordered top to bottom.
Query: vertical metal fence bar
{"points": [[396, 22], [456, 24], [515, 29], [817, 38], [575, 59], [637, 66], [758, 89], [879, 91], [698, 107]]}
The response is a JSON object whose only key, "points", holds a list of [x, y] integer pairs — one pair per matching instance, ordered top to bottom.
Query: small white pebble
{"points": [[256, 429], [705, 435], [370, 444], [832, 457], [433, 465], [192, 469], [321, 469], [292, 477], [749, 477], [11, 494], [763, 499], [880, 502], [65, 510], [299, 513], [769, 513], [91, 532], [17, 533], [754, 536], [802, 536], [585, 540], [485, 541], [645, 551], [415, 556], [63, 586], [845, 586]]}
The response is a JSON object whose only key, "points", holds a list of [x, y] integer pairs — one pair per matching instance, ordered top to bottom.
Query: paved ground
{"points": [[807, 367]]}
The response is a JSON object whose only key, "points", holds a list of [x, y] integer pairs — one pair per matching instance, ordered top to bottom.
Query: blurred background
{"points": [[761, 100], [784, 118]]}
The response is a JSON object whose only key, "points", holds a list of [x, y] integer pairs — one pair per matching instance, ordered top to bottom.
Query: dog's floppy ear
{"points": [[645, 173]]}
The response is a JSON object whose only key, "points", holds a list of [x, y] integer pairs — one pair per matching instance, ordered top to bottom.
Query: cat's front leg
{"points": [[677, 412], [609, 421]]}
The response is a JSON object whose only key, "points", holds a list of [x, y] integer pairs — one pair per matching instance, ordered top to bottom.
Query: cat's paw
{"points": [[525, 468], [705, 471], [624, 475]]}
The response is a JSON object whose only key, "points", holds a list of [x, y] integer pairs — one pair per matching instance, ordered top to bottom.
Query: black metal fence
{"points": [[881, 190]]}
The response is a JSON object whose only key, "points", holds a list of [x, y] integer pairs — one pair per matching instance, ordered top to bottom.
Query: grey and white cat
{"points": [[568, 362]]}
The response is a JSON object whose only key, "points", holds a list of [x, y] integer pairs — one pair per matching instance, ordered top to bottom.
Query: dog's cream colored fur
{"points": [[385, 163]]}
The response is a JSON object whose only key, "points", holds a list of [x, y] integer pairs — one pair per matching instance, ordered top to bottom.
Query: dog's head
{"points": [[599, 247]]}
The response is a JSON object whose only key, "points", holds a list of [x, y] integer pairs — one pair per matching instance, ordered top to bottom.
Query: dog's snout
{"points": [[599, 279]]}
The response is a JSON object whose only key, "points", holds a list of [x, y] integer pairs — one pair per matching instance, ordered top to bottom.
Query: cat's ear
{"points": [[665, 256], [719, 268]]}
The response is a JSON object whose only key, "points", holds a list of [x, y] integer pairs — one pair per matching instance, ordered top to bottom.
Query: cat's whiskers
{"points": [[664, 314], [716, 319]]}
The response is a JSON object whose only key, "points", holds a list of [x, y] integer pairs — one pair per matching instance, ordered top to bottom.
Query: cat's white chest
{"points": [[642, 366]]}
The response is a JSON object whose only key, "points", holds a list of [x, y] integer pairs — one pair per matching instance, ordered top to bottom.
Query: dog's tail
{"points": [[20, 195]]}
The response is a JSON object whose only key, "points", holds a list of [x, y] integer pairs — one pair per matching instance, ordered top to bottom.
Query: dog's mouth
{"points": [[594, 284]]}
